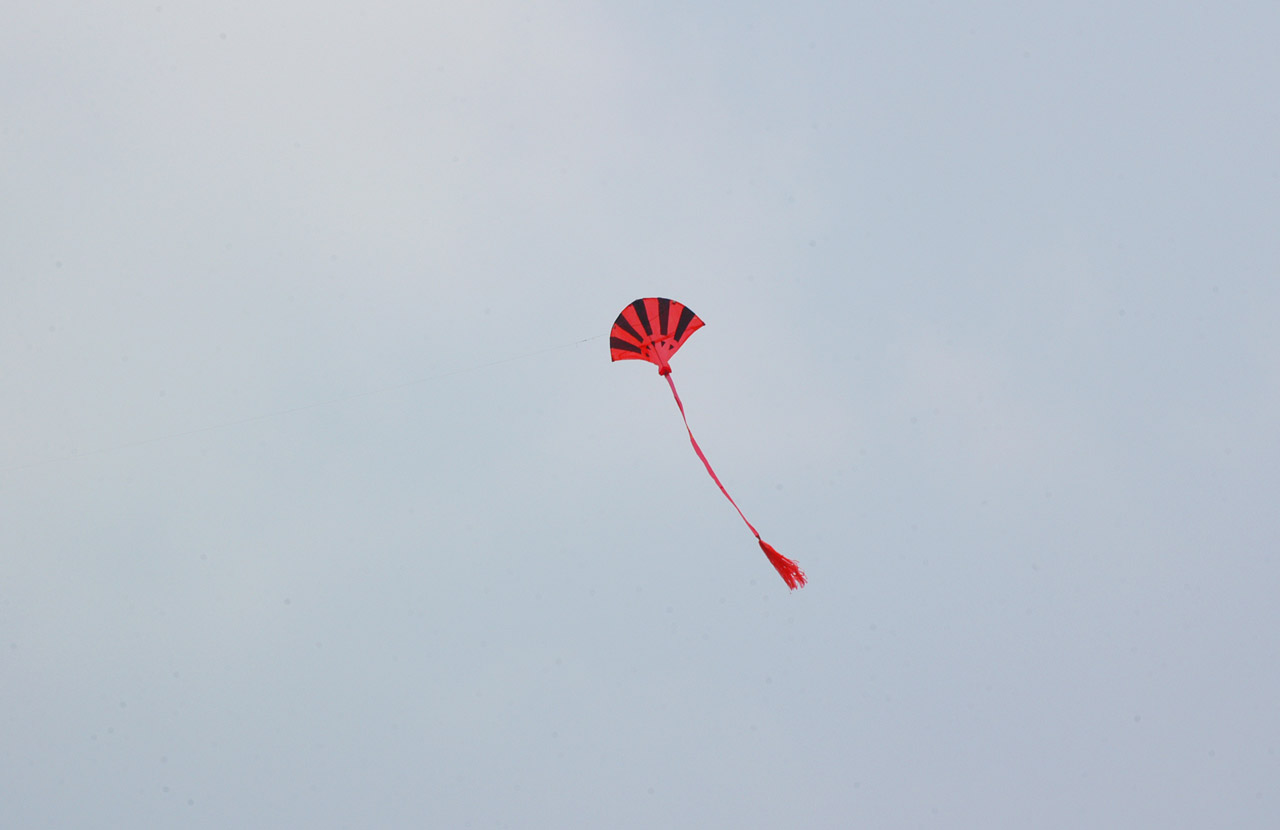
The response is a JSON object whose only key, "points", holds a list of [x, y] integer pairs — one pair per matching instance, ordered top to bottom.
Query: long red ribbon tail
{"points": [[787, 569]]}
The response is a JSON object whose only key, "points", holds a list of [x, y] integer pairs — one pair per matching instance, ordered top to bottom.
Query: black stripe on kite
{"points": [[664, 310], [643, 314], [686, 317], [625, 326], [622, 345]]}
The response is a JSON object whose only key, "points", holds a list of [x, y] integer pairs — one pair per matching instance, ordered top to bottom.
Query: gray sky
{"points": [[991, 295]]}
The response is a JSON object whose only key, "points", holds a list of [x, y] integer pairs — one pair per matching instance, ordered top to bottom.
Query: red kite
{"points": [[654, 329]]}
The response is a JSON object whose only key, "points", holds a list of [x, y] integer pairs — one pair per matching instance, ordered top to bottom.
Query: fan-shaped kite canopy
{"points": [[652, 329]]}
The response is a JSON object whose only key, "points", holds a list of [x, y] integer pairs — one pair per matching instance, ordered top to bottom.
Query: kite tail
{"points": [[788, 570]]}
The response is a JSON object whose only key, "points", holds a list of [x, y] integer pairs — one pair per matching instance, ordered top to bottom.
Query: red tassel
{"points": [[788, 570]]}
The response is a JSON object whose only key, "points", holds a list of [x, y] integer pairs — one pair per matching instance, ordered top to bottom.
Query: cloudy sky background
{"points": [[991, 349]]}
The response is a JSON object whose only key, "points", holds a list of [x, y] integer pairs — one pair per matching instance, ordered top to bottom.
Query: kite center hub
{"points": [[661, 347]]}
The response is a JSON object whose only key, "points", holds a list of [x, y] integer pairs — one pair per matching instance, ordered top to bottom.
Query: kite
{"points": [[654, 329]]}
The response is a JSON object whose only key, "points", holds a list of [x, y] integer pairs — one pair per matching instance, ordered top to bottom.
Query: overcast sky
{"points": [[991, 350]]}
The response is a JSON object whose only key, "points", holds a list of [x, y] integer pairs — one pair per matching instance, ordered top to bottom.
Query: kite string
{"points": [[291, 410], [705, 462]]}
